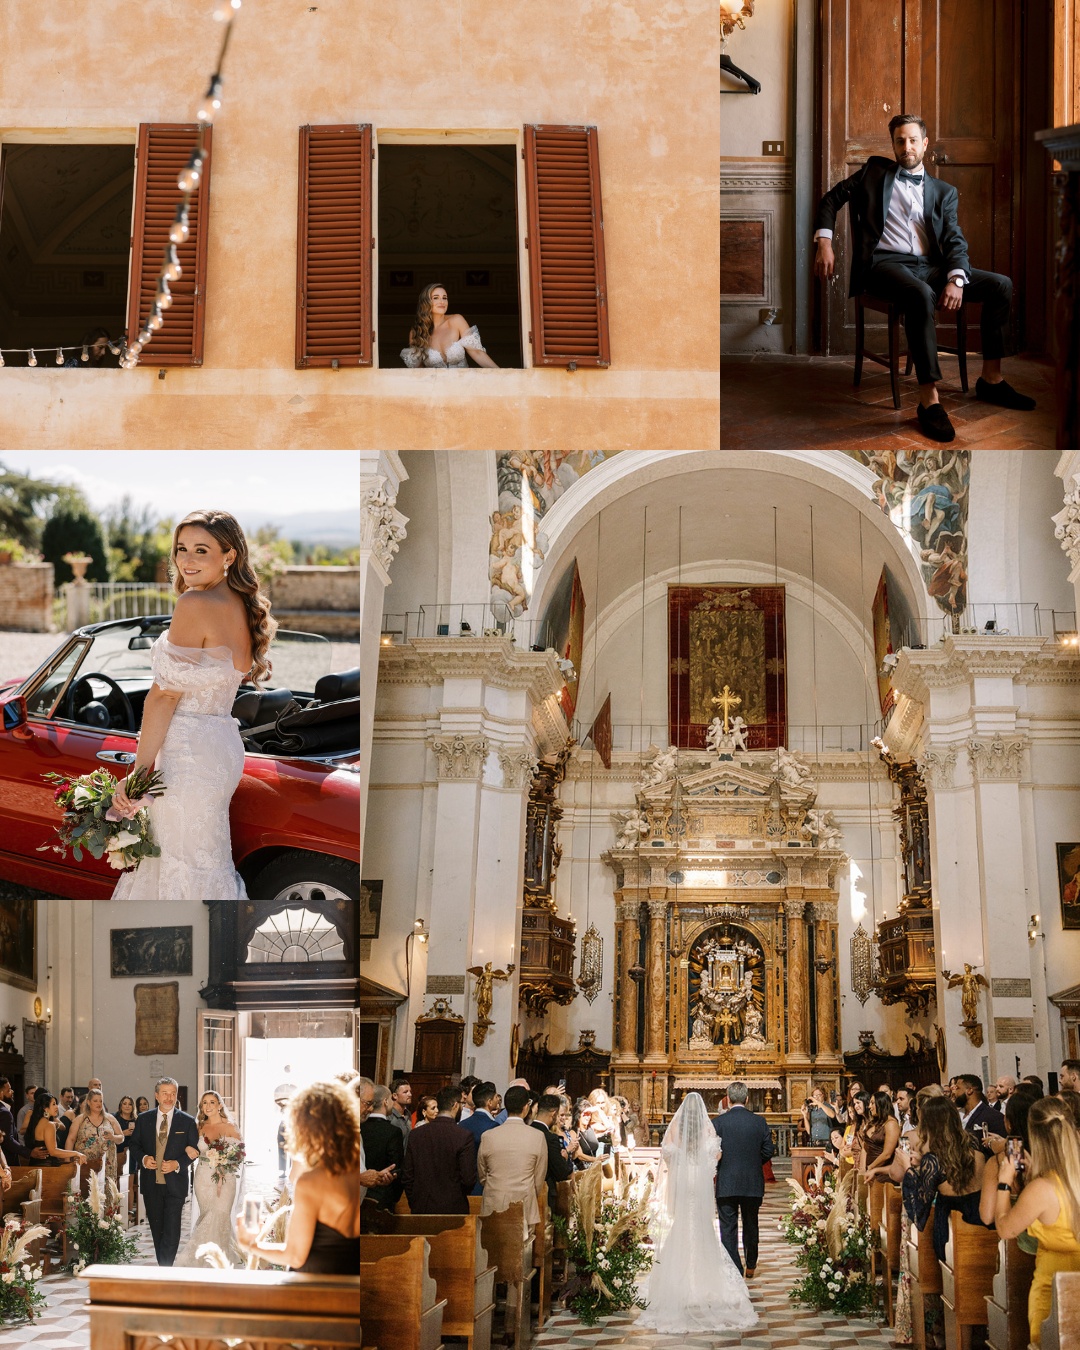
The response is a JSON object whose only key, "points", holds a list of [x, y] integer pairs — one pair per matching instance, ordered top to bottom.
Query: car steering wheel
{"points": [[125, 703]]}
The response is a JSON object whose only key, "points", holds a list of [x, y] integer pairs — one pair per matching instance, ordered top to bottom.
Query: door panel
{"points": [[954, 65]]}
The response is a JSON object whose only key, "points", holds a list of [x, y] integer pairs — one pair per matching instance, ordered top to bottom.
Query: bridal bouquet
{"points": [[91, 822], [225, 1157], [95, 1229], [605, 1241], [834, 1242], [20, 1298]]}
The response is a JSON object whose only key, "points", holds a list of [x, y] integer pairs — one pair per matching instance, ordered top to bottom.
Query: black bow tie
{"points": [[911, 177]]}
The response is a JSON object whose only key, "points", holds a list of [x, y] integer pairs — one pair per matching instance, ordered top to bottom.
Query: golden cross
{"points": [[725, 701], [727, 1020]]}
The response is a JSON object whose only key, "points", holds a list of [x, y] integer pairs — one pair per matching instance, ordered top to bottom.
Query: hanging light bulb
{"points": [[223, 12], [211, 100], [188, 178], [178, 231], [172, 270], [163, 299], [155, 320], [144, 336], [114, 347], [86, 355], [59, 356], [1, 360], [32, 361]]}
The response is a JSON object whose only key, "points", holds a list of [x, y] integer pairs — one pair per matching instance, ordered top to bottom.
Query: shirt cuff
{"points": [[822, 234], [958, 272]]}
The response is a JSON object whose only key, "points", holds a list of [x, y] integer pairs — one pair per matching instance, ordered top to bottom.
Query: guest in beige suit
{"points": [[512, 1160]]}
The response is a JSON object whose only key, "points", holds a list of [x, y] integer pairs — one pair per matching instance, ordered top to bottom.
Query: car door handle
{"points": [[116, 756]]}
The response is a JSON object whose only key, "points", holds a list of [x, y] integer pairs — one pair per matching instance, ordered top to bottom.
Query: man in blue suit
{"points": [[485, 1097], [165, 1141], [747, 1144]]}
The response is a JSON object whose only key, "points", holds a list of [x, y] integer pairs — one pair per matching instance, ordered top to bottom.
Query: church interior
{"points": [[808, 89], [699, 766]]}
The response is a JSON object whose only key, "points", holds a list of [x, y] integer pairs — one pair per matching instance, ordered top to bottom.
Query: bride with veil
{"points": [[694, 1285]]}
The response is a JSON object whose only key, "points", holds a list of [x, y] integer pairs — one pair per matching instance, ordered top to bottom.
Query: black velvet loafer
{"points": [[1003, 394], [934, 422]]}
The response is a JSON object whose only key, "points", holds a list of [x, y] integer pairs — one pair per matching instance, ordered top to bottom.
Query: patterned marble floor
{"points": [[782, 1324]]}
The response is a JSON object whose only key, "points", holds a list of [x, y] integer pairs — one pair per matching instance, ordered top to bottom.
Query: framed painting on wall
{"points": [[1068, 866], [18, 943]]}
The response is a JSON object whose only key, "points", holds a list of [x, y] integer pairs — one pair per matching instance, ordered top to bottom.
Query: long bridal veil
{"points": [[694, 1284]]}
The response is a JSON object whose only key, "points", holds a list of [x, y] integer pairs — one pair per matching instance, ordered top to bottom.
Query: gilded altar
{"points": [[726, 935]]}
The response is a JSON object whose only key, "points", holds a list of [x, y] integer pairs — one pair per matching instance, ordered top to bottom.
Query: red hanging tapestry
{"points": [[726, 637]]}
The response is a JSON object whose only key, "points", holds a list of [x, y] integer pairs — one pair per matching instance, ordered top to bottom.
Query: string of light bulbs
{"points": [[187, 183]]}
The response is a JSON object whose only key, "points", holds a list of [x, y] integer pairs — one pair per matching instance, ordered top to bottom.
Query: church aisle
{"points": [[782, 1324]]}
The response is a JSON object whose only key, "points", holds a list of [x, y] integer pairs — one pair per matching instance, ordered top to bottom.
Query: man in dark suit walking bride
{"points": [[908, 247], [166, 1141], [747, 1144]]}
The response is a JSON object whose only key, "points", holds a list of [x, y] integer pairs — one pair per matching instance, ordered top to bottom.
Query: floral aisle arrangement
{"points": [[92, 824], [225, 1157], [95, 1230], [605, 1242], [834, 1243], [20, 1298]]}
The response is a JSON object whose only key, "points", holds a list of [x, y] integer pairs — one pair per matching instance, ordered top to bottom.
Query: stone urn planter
{"points": [[78, 562]]}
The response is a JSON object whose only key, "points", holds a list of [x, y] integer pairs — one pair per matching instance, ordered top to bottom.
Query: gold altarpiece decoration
{"points": [[726, 908]]}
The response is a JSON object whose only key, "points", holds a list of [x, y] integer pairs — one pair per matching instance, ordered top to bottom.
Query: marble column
{"points": [[382, 528], [824, 912], [627, 920], [796, 979], [656, 991]]}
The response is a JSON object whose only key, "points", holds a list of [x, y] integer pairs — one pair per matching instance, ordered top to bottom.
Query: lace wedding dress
{"points": [[455, 354], [201, 761], [217, 1204], [694, 1285]]}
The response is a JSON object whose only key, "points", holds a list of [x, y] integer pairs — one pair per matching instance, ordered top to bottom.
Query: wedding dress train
{"points": [[201, 761], [216, 1205], [694, 1285]]}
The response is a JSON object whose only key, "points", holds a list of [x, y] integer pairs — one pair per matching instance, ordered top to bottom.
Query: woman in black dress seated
{"points": [[322, 1131], [41, 1132], [943, 1171]]}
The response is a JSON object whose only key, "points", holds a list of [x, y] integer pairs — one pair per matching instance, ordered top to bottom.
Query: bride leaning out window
{"points": [[439, 340]]}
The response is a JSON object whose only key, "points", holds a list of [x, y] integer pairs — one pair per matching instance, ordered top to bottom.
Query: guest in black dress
{"points": [[125, 1118], [322, 1127]]}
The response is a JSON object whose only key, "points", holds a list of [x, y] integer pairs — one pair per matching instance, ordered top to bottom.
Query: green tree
{"points": [[26, 501], [74, 529], [137, 542]]}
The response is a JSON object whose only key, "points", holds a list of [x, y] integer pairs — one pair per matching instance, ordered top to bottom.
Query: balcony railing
{"points": [[1011, 619], [476, 620], [636, 738]]}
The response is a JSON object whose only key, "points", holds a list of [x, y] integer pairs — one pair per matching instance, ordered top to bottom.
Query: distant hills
{"points": [[335, 529]]}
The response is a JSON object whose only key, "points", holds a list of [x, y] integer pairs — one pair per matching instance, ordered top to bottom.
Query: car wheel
{"points": [[297, 876]]}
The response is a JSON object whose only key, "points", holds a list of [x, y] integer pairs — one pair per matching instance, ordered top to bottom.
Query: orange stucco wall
{"points": [[644, 71]]}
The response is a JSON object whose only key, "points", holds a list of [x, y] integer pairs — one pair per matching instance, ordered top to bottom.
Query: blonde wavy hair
{"points": [[420, 337], [241, 578], [201, 1117], [322, 1127], [941, 1134], [1055, 1150]]}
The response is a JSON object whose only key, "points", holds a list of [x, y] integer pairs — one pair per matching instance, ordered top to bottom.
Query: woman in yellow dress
{"points": [[1049, 1205]]}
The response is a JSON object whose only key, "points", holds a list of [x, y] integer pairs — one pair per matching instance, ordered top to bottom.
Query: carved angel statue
{"points": [[739, 731], [722, 742], [661, 769], [792, 770], [823, 825], [630, 826], [485, 978], [970, 983], [752, 1023]]}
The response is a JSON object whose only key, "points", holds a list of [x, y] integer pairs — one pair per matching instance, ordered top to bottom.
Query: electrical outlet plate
{"points": [[772, 147]]}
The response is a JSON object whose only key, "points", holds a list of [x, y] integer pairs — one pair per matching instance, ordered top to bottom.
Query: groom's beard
{"points": [[910, 162]]}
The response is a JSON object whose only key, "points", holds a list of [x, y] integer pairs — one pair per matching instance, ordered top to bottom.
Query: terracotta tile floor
{"points": [[809, 403]]}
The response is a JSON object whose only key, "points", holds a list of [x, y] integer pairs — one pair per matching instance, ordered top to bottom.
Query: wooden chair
{"points": [[891, 362], [505, 1241], [460, 1267], [925, 1278], [967, 1279], [140, 1305], [401, 1306], [1006, 1307], [1061, 1330]]}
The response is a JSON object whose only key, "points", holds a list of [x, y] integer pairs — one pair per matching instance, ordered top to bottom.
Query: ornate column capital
{"points": [[1067, 522], [382, 526], [460, 757], [995, 757], [518, 765], [938, 766], [657, 909], [794, 909], [628, 911], [824, 911]]}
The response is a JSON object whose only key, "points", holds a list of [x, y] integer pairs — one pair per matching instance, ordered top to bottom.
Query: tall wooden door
{"points": [[957, 66]]}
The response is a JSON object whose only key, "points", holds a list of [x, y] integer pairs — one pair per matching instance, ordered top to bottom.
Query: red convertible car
{"points": [[295, 817]]}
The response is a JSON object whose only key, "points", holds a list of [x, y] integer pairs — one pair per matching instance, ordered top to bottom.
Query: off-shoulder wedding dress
{"points": [[455, 358], [201, 761], [212, 1214]]}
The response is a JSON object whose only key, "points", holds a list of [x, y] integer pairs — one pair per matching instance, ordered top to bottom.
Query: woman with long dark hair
{"points": [[440, 341], [220, 634], [40, 1131], [882, 1132]]}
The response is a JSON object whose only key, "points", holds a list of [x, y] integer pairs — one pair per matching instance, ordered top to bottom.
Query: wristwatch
{"points": [[960, 280], [1004, 1186]]}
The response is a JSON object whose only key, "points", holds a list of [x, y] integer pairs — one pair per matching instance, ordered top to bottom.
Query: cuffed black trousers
{"points": [[916, 284]]}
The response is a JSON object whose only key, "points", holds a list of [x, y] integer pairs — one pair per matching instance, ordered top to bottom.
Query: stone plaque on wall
{"points": [[445, 984], [1007, 988], [157, 1019], [1014, 1030], [33, 1051]]}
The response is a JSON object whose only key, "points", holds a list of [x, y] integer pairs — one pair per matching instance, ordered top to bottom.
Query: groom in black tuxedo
{"points": [[907, 247], [160, 1141], [746, 1145]]}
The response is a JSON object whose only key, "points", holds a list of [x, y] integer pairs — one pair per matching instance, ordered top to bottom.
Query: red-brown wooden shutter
{"points": [[163, 150], [333, 247], [566, 247]]}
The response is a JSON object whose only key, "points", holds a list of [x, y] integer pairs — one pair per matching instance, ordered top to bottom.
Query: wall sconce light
{"points": [[733, 14], [1033, 928], [419, 934], [42, 1015]]}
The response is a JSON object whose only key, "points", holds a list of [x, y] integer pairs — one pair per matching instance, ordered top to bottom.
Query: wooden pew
{"points": [[803, 1163], [55, 1184], [505, 1242], [889, 1242], [543, 1258], [458, 1264], [967, 1277], [925, 1278], [401, 1304], [141, 1305], [1007, 1305], [1061, 1330]]}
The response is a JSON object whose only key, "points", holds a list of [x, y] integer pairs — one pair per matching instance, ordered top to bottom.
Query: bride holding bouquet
{"points": [[217, 1183]]}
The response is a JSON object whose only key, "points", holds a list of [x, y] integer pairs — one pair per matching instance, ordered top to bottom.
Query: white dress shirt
{"points": [[905, 224]]}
